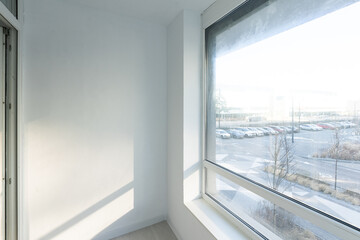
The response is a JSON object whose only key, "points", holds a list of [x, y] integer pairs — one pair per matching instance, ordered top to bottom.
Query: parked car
{"points": [[342, 124], [347, 124], [351, 124], [336, 125], [326, 126], [306, 127], [310, 127], [315, 127], [278, 129], [289, 129], [256, 131], [265, 131], [271, 131], [248, 132], [220, 133], [236, 133]]}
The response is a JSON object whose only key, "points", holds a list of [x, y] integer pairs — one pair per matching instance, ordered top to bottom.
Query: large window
{"points": [[282, 118]]}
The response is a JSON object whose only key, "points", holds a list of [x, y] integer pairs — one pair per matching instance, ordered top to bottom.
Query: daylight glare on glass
{"points": [[315, 66]]}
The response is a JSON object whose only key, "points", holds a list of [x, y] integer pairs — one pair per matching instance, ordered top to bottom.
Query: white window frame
{"points": [[325, 221]]}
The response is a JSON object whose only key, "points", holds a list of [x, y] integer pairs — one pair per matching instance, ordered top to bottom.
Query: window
{"points": [[11, 5], [282, 149]]}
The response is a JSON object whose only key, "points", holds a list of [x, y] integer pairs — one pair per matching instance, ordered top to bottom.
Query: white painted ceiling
{"points": [[155, 11]]}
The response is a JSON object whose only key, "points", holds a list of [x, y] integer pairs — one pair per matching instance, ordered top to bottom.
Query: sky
{"points": [[315, 65]]}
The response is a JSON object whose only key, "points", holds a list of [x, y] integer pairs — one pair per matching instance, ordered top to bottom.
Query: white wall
{"points": [[94, 122], [184, 126]]}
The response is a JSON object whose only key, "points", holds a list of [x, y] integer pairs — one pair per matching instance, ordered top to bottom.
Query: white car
{"points": [[347, 124], [351, 124], [336, 125], [307, 127], [311, 127], [316, 127], [256, 131], [271, 131], [248, 133], [222, 134]]}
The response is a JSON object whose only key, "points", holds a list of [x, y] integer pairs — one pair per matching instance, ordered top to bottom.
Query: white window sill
{"points": [[217, 224]]}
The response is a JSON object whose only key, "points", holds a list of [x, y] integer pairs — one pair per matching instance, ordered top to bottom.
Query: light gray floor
{"points": [[159, 231]]}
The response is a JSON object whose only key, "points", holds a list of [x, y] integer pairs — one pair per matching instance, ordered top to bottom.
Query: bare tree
{"points": [[220, 105], [335, 150], [281, 165]]}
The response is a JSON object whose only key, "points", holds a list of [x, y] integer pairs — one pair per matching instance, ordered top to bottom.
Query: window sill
{"points": [[217, 224]]}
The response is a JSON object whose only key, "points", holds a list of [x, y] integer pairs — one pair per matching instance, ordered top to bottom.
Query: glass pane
{"points": [[11, 5], [283, 104], [261, 213]]}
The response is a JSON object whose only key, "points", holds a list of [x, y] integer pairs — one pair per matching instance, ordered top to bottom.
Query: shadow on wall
{"points": [[192, 170], [149, 179], [118, 197], [138, 202]]}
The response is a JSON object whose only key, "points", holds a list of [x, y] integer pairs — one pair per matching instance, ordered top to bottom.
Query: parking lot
{"points": [[249, 157]]}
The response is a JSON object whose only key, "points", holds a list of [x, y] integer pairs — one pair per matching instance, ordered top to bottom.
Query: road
{"points": [[242, 153]]}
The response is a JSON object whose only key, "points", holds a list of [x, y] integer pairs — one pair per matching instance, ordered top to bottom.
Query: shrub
{"points": [[346, 151], [319, 186], [281, 221]]}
